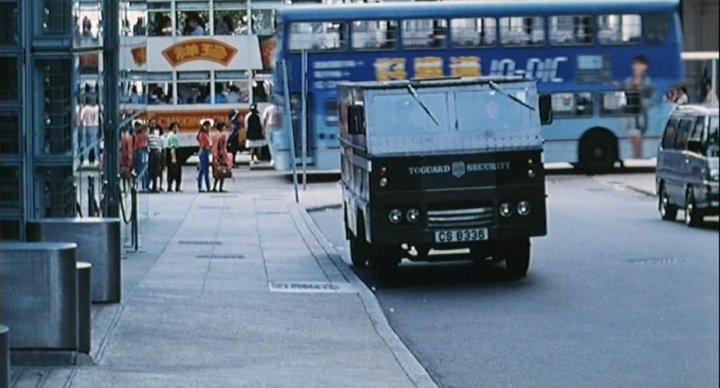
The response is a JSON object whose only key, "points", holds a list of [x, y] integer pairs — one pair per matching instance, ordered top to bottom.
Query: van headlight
{"points": [[523, 208], [506, 209], [395, 216], [413, 216]]}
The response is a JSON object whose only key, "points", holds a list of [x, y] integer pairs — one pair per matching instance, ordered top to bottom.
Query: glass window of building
{"points": [[55, 16], [193, 18], [230, 18], [133, 19], [159, 19], [263, 22], [8, 23], [88, 23], [619, 29], [570, 30], [522, 31], [471, 32], [424, 33], [374, 34], [318, 36], [9, 80], [193, 87], [231, 87], [159, 89], [54, 96], [9, 133], [10, 189], [55, 196], [9, 230]]}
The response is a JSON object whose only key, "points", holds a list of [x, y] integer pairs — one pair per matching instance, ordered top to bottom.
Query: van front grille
{"points": [[460, 218]]}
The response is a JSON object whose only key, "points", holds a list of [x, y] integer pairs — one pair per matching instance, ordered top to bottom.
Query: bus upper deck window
{"points": [[193, 18], [159, 19], [656, 28], [619, 29], [570, 30], [522, 31], [472, 32], [424, 33], [374, 34], [318, 36]]}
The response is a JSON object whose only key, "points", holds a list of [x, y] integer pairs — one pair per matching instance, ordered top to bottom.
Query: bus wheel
{"points": [[598, 152], [668, 211], [693, 217], [517, 257]]}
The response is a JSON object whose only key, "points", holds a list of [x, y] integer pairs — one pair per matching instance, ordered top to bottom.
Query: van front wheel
{"points": [[668, 211], [516, 254]]}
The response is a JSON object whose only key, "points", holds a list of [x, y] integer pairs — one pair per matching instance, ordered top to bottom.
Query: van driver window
{"points": [[682, 134], [669, 137]]}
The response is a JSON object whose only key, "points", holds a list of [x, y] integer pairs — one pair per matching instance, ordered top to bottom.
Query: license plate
{"points": [[460, 235]]}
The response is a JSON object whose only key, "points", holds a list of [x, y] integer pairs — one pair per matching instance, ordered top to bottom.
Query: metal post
{"points": [[111, 106], [288, 113], [304, 117], [92, 211], [134, 216], [84, 286], [4, 356]]}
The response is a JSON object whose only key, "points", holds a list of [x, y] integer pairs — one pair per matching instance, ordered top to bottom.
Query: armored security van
{"points": [[432, 167]]}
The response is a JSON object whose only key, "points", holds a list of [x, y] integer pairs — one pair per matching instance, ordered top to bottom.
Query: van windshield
{"points": [[712, 139]]}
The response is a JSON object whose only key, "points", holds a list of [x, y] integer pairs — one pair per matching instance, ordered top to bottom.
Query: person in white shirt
{"points": [[90, 124]]}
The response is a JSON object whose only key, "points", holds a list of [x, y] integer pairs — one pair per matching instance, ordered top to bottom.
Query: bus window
{"points": [[192, 18], [230, 18], [159, 19], [133, 21], [263, 22], [656, 28], [619, 29], [570, 30], [522, 31], [473, 32], [424, 33], [374, 34], [318, 36], [233, 86], [193, 87], [159, 88], [613, 103], [572, 104], [669, 136]]}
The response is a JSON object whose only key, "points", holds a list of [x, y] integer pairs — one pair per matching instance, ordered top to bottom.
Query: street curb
{"points": [[641, 191], [412, 367]]}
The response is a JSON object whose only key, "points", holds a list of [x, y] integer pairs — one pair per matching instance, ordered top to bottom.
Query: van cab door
{"points": [[694, 162], [677, 179]]}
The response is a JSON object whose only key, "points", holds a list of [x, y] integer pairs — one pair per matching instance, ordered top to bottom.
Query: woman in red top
{"points": [[203, 139], [126, 157], [140, 157], [219, 160]]}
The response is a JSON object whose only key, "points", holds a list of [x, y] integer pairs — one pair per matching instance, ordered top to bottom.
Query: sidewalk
{"points": [[236, 290]]}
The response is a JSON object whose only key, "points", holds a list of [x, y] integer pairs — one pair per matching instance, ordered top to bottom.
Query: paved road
{"points": [[615, 298]]}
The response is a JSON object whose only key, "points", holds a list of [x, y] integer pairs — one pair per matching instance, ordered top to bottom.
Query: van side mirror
{"points": [[546, 113], [356, 119], [695, 146]]}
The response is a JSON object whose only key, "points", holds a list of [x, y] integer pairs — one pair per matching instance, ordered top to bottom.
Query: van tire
{"points": [[598, 151], [668, 211], [693, 217], [361, 252], [516, 254], [385, 263]]}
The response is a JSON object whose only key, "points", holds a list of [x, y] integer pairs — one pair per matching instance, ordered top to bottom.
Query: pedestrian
{"points": [[708, 93], [640, 94], [681, 95], [269, 119], [90, 122], [255, 137], [203, 139], [234, 139], [155, 148], [126, 156], [163, 156], [140, 158], [174, 169], [221, 170]]}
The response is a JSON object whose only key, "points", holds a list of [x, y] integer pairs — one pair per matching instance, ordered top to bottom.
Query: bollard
{"points": [[134, 217], [84, 287], [4, 356]]}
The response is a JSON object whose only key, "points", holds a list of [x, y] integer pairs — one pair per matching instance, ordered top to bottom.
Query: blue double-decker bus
{"points": [[584, 53]]}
